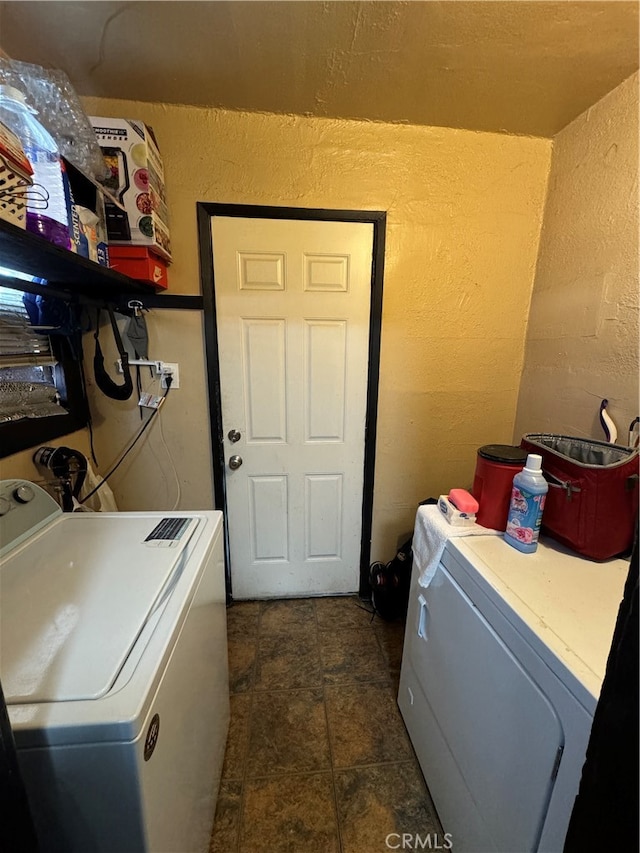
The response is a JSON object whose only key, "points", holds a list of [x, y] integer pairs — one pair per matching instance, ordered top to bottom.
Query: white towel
{"points": [[430, 535]]}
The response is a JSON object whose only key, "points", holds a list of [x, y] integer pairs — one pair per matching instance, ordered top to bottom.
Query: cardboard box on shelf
{"points": [[137, 180], [88, 231], [139, 263]]}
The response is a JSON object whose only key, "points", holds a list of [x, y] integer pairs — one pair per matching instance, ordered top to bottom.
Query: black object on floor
{"points": [[390, 582]]}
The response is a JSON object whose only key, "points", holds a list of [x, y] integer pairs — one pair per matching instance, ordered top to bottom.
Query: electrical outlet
{"points": [[170, 367]]}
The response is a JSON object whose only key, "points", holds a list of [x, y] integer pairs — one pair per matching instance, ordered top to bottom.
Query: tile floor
{"points": [[318, 759]]}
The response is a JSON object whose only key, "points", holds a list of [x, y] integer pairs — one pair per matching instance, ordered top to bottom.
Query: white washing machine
{"points": [[503, 662], [114, 670]]}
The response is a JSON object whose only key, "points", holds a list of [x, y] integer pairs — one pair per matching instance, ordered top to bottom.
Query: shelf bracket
{"points": [[158, 366]]}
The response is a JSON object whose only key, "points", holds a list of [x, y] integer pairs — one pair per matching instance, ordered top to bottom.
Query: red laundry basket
{"points": [[592, 502]]}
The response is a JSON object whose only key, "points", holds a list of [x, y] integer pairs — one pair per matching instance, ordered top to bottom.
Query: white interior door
{"points": [[292, 302]]}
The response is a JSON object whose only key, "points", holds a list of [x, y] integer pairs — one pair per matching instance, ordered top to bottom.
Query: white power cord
{"points": [[167, 451], [173, 467]]}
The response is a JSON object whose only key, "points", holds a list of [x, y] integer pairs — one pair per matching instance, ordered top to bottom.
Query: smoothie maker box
{"points": [[136, 179]]}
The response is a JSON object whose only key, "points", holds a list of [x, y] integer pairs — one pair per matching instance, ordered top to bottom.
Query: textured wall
{"points": [[464, 218], [582, 339], [173, 458]]}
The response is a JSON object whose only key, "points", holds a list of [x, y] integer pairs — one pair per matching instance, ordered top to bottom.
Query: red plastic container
{"points": [[496, 467]]}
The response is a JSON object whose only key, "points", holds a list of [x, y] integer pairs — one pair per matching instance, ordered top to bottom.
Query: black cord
{"points": [[169, 380], [91, 444]]}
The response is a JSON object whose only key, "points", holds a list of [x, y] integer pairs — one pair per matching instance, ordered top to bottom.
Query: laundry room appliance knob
{"points": [[23, 494], [5, 506]]}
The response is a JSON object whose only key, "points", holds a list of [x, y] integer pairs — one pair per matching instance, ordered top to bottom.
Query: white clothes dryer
{"points": [[503, 661]]}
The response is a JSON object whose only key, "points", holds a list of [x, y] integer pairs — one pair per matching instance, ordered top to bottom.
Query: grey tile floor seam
{"points": [[317, 757], [336, 804]]}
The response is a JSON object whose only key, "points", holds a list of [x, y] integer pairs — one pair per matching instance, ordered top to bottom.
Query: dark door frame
{"points": [[206, 211]]}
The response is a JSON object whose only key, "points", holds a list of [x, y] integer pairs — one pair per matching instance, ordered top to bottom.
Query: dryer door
{"points": [[491, 758]]}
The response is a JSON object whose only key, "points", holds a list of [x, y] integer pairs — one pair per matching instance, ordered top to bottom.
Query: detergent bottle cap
{"points": [[534, 463]]}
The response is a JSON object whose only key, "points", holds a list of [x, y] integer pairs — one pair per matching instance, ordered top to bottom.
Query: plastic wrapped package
{"points": [[49, 91], [103, 500]]}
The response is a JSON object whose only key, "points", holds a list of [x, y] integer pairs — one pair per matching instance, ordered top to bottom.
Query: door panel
{"points": [[260, 271], [326, 272], [292, 303], [325, 349], [264, 380], [268, 515], [323, 516]]}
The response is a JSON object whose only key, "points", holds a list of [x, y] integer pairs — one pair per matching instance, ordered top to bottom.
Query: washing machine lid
{"points": [[74, 599]]}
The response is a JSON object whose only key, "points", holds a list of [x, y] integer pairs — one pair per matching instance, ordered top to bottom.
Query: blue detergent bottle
{"points": [[527, 504]]}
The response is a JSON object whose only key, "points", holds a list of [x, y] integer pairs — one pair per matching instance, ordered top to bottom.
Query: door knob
{"points": [[234, 435], [235, 462]]}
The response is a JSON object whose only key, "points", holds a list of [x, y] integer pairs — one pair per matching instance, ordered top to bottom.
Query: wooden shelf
{"points": [[64, 271]]}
